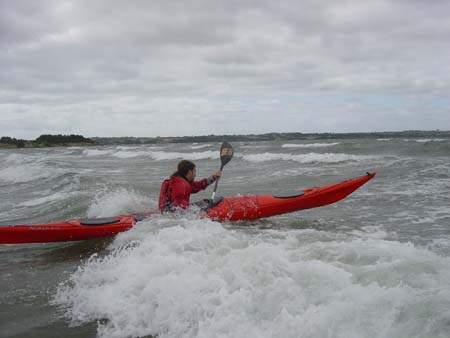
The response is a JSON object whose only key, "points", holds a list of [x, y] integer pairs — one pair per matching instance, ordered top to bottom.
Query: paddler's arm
{"points": [[204, 183]]}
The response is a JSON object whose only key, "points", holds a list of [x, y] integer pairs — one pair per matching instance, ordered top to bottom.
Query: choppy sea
{"points": [[376, 264]]}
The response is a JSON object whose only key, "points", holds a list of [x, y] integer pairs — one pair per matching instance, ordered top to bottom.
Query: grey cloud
{"points": [[153, 62]]}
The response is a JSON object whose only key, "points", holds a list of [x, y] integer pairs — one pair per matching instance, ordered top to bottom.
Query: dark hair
{"points": [[183, 168]]}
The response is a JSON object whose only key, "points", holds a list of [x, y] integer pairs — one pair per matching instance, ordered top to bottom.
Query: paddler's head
{"points": [[187, 170]]}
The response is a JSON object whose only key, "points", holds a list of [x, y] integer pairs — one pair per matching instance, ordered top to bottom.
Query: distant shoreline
{"points": [[269, 137], [60, 140]]}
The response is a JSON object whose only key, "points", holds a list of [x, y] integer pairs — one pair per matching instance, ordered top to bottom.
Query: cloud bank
{"points": [[158, 68]]}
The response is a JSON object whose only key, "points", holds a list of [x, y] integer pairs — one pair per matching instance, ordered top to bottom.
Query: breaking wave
{"points": [[309, 145], [155, 155], [305, 158], [23, 169], [119, 201], [193, 278]]}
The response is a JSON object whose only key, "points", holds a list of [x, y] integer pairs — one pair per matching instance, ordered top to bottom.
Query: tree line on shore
{"points": [[46, 140], [19, 143]]}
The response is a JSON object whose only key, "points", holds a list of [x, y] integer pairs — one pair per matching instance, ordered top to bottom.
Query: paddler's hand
{"points": [[217, 174], [214, 177]]}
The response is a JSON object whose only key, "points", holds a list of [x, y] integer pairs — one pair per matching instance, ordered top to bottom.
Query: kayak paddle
{"points": [[226, 154]]}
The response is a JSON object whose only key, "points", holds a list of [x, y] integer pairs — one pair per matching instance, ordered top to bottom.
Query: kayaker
{"points": [[176, 191]]}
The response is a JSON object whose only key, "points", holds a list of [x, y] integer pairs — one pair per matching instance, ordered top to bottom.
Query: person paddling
{"points": [[176, 191]]}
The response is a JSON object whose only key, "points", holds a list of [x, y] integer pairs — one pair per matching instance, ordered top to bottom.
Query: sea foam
{"points": [[188, 277]]}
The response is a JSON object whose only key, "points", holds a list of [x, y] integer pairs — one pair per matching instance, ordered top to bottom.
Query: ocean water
{"points": [[376, 264]]}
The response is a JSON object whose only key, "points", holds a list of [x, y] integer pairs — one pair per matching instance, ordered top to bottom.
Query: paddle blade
{"points": [[226, 153]]}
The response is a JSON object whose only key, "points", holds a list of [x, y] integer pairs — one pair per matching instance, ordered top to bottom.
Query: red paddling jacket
{"points": [[176, 192]]}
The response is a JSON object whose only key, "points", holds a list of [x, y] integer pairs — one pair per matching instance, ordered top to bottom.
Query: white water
{"points": [[432, 140], [309, 145], [200, 146], [97, 152], [128, 152], [125, 153], [305, 158], [20, 169], [26, 173], [45, 200], [120, 201], [194, 278]]}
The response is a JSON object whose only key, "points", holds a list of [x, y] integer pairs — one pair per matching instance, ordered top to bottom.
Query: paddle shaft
{"points": [[217, 183]]}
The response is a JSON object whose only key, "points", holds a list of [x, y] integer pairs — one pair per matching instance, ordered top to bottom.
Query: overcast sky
{"points": [[172, 68]]}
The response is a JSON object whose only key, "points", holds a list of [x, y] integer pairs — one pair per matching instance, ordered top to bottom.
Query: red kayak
{"points": [[255, 207], [239, 208]]}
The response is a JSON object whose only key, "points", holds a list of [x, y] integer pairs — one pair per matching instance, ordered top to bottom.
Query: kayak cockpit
{"points": [[291, 194], [208, 203], [99, 221]]}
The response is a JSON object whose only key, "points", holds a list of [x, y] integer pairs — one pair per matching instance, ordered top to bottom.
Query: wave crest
{"points": [[309, 145], [305, 158]]}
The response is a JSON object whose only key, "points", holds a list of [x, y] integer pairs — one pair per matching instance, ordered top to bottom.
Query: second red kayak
{"points": [[239, 208]]}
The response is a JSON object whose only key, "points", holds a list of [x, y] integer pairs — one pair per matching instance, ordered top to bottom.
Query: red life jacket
{"points": [[176, 191], [164, 200]]}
